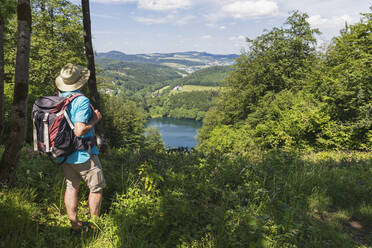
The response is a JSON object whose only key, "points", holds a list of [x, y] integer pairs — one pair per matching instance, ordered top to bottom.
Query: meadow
{"points": [[190, 88], [159, 199]]}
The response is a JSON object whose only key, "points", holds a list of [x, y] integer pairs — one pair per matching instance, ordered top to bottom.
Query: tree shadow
{"points": [[281, 200], [20, 227]]}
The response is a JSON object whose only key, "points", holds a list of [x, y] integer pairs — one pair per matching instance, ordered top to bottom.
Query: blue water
{"points": [[176, 132]]}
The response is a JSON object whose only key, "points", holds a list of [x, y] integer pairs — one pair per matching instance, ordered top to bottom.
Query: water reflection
{"points": [[176, 132]]}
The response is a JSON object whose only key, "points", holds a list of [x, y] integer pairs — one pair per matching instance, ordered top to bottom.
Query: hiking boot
{"points": [[85, 227]]}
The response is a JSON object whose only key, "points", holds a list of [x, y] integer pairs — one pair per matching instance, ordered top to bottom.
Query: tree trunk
{"points": [[1, 77], [92, 84], [19, 107]]}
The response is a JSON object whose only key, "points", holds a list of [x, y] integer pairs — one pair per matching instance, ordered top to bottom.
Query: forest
{"points": [[152, 86], [197, 93], [284, 157]]}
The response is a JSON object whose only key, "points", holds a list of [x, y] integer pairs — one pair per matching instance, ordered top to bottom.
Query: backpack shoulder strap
{"points": [[70, 98], [61, 106]]}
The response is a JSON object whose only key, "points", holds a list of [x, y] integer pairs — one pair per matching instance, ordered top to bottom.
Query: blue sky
{"points": [[215, 26]]}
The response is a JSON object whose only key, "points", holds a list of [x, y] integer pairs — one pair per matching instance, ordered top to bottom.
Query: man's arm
{"points": [[81, 128]]}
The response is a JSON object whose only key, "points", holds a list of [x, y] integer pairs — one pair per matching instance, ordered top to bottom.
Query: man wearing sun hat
{"points": [[81, 164]]}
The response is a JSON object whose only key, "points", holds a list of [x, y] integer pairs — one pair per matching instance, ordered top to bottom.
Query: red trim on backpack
{"points": [[61, 106], [53, 129]]}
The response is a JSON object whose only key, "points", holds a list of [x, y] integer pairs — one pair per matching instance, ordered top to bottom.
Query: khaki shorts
{"points": [[90, 172]]}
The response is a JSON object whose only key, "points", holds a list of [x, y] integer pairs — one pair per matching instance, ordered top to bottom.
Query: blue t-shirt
{"points": [[79, 111]]}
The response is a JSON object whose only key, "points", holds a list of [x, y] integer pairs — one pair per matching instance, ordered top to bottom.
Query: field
{"points": [[173, 65], [189, 88], [160, 91], [159, 199]]}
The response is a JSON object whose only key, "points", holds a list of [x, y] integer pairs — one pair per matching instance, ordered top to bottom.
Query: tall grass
{"points": [[159, 199]]}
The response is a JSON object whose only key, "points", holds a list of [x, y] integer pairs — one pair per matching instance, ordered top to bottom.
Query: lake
{"points": [[176, 132]]}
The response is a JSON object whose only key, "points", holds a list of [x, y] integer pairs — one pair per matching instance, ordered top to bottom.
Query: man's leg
{"points": [[91, 173], [96, 183], [71, 194], [94, 200], [71, 202]]}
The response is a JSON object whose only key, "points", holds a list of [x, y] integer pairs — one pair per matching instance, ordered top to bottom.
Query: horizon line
{"points": [[188, 51]]}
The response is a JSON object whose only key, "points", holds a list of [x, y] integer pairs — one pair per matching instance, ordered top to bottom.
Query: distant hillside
{"points": [[189, 61], [134, 76], [212, 76], [189, 97]]}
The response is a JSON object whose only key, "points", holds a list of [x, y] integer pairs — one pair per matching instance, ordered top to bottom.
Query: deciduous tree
{"points": [[6, 11], [92, 82], [19, 109]]}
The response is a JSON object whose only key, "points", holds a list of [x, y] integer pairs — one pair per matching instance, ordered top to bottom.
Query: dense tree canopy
{"points": [[58, 41], [279, 59], [349, 90], [282, 94], [124, 123]]}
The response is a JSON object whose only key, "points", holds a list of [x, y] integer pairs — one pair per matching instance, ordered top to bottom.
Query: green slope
{"points": [[134, 76], [211, 76]]}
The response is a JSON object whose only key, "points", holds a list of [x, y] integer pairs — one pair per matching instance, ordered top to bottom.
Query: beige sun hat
{"points": [[72, 77]]}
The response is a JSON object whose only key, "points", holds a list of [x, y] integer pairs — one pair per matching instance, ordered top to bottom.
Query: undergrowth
{"points": [[159, 199]]}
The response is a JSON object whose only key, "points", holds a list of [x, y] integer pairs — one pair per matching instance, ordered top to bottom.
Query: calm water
{"points": [[176, 132]]}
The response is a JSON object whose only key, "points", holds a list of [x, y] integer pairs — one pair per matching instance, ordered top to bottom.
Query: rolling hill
{"points": [[188, 61], [134, 76], [211, 76]]}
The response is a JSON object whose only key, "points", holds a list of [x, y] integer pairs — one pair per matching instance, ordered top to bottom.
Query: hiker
{"points": [[82, 164]]}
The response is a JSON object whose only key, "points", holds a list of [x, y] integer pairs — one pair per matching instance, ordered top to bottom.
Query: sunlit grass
{"points": [[189, 88], [189, 200]]}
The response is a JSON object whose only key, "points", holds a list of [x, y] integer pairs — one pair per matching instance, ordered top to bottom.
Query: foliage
{"points": [[7, 11], [58, 40], [277, 60], [135, 76], [211, 76], [137, 80], [346, 85], [281, 94], [188, 102], [186, 105], [296, 120], [123, 122], [153, 139], [229, 192], [160, 199]]}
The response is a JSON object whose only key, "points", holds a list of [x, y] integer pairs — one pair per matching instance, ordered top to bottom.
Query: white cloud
{"points": [[113, 1], [153, 4], [163, 4], [242, 9], [249, 9], [105, 16], [212, 18], [172, 19], [150, 20], [183, 20], [332, 22], [210, 24], [222, 27], [206, 36], [240, 38], [239, 41]]}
